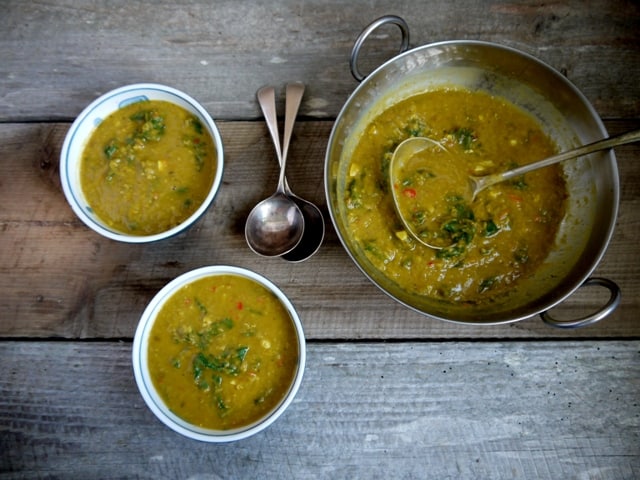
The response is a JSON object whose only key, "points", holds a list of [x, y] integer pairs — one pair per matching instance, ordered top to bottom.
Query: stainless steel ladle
{"points": [[437, 157]]}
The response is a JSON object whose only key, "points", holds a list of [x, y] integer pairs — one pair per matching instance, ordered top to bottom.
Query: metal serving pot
{"points": [[564, 113]]}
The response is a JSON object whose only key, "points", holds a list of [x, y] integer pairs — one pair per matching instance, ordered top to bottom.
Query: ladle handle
{"points": [[294, 93], [610, 142]]}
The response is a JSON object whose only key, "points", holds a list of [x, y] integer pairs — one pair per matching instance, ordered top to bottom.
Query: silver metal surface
{"points": [[357, 46], [313, 220], [313, 234], [603, 312]]}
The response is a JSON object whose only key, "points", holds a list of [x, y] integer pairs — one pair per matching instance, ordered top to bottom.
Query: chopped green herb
{"points": [[140, 116], [197, 125], [151, 126], [415, 128], [465, 137], [110, 149], [199, 157], [418, 177], [383, 181], [519, 183], [354, 194], [459, 209], [418, 217], [489, 228], [459, 229], [372, 248], [452, 251], [521, 255], [487, 284], [201, 306], [202, 337], [241, 353], [227, 362], [198, 366], [262, 397], [220, 403]]}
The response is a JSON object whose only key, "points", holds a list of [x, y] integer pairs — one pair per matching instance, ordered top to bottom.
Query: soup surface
{"points": [[147, 167], [493, 242], [223, 352]]}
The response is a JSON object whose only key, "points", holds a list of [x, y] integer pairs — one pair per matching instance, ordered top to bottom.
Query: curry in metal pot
{"points": [[147, 167], [503, 236], [223, 352]]}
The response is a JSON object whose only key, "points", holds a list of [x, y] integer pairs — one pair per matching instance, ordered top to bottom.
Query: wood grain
{"points": [[58, 56], [387, 393], [449, 410]]}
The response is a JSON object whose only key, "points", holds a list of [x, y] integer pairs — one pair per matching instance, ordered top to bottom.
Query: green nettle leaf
{"points": [[241, 353]]}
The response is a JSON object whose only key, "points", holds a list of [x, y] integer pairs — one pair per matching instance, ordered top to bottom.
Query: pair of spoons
{"points": [[427, 155], [284, 224]]}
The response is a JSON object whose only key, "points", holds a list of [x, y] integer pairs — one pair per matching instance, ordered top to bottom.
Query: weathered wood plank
{"points": [[58, 56], [60, 279], [415, 410]]}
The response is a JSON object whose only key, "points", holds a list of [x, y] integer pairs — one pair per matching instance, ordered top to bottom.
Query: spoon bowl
{"points": [[427, 157], [274, 226]]}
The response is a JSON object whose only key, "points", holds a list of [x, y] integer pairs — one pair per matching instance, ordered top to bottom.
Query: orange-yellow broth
{"points": [[147, 167], [507, 231], [223, 352]]}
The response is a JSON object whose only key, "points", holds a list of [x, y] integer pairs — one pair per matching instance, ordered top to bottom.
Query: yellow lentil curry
{"points": [[147, 167], [493, 242], [223, 352]]}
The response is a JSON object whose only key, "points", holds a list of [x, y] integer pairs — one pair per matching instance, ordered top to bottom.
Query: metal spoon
{"points": [[433, 156], [313, 219], [275, 225]]}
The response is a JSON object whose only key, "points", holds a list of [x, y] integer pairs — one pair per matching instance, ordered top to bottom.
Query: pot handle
{"points": [[355, 51], [609, 307]]}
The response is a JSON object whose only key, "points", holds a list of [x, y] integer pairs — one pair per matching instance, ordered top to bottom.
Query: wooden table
{"points": [[387, 393]]}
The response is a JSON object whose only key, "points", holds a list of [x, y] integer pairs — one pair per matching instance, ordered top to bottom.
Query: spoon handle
{"points": [[293, 95], [267, 100], [605, 143]]}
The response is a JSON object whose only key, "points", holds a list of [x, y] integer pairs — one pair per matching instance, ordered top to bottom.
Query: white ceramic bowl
{"points": [[82, 129], [141, 367]]}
